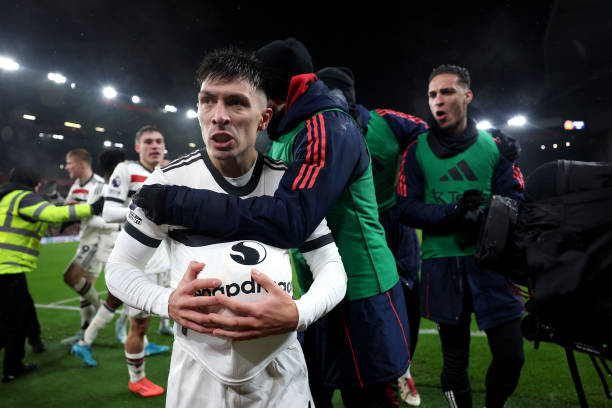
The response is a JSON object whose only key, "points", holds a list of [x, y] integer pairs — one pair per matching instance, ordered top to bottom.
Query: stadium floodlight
{"points": [[8, 64], [56, 77], [73, 85], [109, 92], [135, 99], [170, 108], [191, 114], [29, 117], [518, 120], [72, 125], [484, 125], [100, 129], [58, 137], [108, 143], [191, 144], [567, 144], [119, 145], [555, 145], [542, 147], [61, 166]]}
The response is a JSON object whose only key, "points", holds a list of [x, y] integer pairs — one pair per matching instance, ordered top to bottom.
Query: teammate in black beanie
{"points": [[283, 59], [340, 78]]}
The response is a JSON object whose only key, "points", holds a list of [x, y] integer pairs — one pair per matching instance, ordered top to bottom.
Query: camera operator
{"points": [[445, 179]]}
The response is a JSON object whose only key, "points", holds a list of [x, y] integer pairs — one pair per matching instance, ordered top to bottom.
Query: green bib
{"points": [[384, 150], [446, 179], [353, 220]]}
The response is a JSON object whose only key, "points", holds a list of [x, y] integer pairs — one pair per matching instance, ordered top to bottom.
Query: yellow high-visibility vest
{"points": [[24, 219]]}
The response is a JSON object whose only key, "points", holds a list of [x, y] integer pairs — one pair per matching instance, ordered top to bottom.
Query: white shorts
{"points": [[94, 250], [283, 383]]}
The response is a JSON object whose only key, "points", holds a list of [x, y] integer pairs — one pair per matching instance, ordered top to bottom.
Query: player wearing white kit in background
{"points": [[126, 179], [83, 270], [82, 349], [209, 370]]}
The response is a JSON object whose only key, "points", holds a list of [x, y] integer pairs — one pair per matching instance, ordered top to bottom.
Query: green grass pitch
{"points": [[64, 381]]}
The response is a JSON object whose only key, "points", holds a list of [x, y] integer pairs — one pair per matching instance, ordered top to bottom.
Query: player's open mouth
{"points": [[440, 114], [222, 140]]}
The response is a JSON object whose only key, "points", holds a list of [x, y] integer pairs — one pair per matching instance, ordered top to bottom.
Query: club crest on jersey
{"points": [[116, 181], [248, 253]]}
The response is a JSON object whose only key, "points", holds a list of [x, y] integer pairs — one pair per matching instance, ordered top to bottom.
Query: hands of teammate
{"points": [[152, 199], [189, 310], [275, 315]]}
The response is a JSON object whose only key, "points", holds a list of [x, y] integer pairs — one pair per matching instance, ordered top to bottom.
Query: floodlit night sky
{"points": [[545, 59]]}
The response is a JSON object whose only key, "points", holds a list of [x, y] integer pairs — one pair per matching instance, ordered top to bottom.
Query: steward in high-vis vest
{"points": [[445, 180], [24, 219]]}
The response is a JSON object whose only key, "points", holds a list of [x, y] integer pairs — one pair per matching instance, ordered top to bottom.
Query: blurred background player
{"points": [[387, 134], [446, 178], [126, 179], [24, 216], [109, 231], [83, 270]]}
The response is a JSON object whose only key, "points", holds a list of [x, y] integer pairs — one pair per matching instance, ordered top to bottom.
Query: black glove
{"points": [[509, 147], [152, 200], [471, 200], [96, 208]]}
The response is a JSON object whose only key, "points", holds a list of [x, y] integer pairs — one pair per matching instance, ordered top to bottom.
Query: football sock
{"points": [[87, 291], [103, 317], [136, 366]]}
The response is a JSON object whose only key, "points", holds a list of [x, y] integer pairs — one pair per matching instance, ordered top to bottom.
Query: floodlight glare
{"points": [[8, 64], [56, 77], [73, 85], [109, 92], [135, 99], [170, 108], [191, 114], [29, 117], [518, 120], [72, 125], [484, 125], [99, 129], [58, 137], [108, 143], [191, 144], [567, 144], [119, 145], [555, 146], [542, 147]]}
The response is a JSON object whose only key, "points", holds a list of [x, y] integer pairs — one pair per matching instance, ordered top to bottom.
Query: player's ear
{"points": [[468, 96], [264, 120]]}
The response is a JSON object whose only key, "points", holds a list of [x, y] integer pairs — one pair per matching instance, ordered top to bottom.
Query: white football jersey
{"points": [[125, 181], [79, 192], [231, 362]]}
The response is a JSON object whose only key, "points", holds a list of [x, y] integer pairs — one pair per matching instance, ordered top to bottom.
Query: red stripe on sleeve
{"points": [[412, 118], [321, 163], [137, 178], [297, 179], [80, 191]]}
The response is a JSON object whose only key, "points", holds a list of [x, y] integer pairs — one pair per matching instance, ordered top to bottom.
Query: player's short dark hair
{"points": [[230, 63], [462, 73], [145, 129], [81, 155], [109, 159]]}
